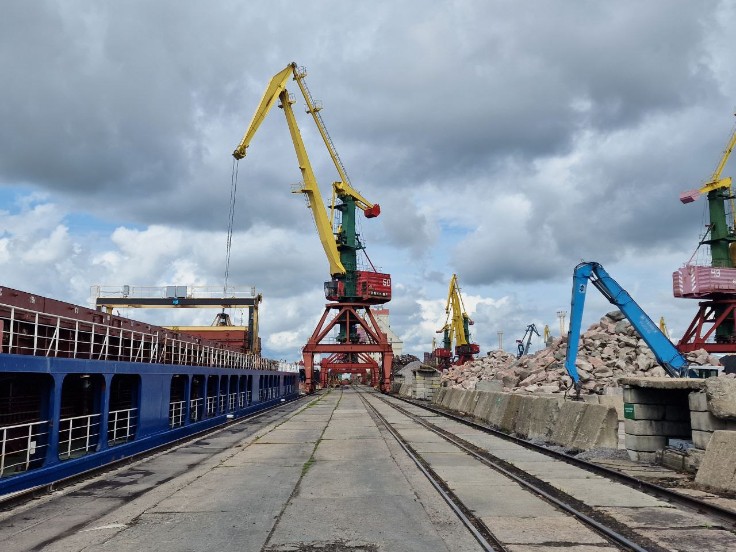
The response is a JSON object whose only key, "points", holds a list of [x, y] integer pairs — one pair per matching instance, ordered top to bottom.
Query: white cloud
{"points": [[503, 144]]}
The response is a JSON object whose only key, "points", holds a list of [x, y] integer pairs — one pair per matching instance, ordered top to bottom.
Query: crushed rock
{"points": [[610, 349]]}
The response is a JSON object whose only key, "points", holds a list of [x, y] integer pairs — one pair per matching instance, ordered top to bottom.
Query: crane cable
{"points": [[231, 221]]}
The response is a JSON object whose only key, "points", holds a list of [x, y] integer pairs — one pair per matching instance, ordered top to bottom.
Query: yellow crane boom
{"points": [[276, 89]]}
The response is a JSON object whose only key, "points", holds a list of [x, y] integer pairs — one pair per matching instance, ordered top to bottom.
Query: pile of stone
{"points": [[609, 349], [401, 361]]}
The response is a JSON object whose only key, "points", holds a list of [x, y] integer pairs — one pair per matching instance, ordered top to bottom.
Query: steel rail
{"points": [[490, 461], [436, 482], [663, 493], [15, 499]]}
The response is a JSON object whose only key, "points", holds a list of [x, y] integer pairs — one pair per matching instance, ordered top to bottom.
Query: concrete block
{"points": [[489, 385], [721, 394], [456, 396], [644, 396], [448, 398], [437, 399], [616, 401], [697, 401], [467, 403], [481, 405], [497, 408], [649, 411], [544, 415], [508, 420], [523, 420], [705, 421], [567, 422], [583, 426], [657, 427], [597, 428], [701, 438], [645, 443], [640, 456], [674, 459], [693, 459], [718, 468]]}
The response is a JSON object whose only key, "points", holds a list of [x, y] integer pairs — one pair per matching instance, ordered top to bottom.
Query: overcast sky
{"points": [[505, 141]]}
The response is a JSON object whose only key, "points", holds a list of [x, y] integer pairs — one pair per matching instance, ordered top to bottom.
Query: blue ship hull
{"points": [[93, 412]]}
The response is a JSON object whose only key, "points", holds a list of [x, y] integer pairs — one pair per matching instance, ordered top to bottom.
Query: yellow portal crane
{"points": [[276, 89], [715, 182], [456, 329]]}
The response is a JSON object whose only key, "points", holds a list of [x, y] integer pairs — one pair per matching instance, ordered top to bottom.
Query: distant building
{"points": [[382, 317], [383, 322]]}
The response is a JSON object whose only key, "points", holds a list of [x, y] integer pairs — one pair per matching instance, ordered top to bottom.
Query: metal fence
{"points": [[30, 332], [121, 426], [78, 435], [22, 445]]}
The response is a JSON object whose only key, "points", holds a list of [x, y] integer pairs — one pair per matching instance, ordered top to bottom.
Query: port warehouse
{"points": [[80, 388]]}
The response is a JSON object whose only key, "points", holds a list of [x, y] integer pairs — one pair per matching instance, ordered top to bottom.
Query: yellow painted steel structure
{"points": [[276, 89], [457, 320]]}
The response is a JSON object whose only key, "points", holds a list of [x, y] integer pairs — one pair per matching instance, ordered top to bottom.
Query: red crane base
{"points": [[714, 313], [349, 358]]}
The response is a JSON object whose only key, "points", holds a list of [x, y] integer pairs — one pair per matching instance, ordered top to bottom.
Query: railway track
{"points": [[554, 485], [726, 516]]}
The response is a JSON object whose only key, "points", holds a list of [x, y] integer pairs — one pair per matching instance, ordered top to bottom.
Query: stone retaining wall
{"points": [[574, 425]]}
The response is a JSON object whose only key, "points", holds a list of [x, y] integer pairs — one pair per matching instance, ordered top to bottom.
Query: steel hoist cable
{"points": [[231, 221]]}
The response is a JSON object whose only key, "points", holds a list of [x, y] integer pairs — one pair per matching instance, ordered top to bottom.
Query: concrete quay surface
{"points": [[320, 475], [325, 475], [524, 522]]}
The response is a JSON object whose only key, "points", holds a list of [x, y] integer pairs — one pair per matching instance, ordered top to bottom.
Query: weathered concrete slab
{"points": [[662, 383], [721, 394], [698, 401], [525, 415], [544, 417], [508, 421], [583, 426], [718, 468], [601, 492], [512, 501], [541, 530]]}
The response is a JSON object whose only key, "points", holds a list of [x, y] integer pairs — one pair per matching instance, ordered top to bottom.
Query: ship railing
{"points": [[31, 332], [248, 397], [241, 399], [232, 401], [221, 404], [211, 406], [195, 409], [177, 410], [121, 426], [78, 435], [21, 445]]}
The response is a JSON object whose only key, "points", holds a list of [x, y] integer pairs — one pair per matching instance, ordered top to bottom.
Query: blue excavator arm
{"points": [[664, 351]]}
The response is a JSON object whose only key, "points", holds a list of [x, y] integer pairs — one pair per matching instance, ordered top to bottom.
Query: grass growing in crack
{"points": [[307, 465]]}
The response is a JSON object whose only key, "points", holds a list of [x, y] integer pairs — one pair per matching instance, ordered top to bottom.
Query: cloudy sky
{"points": [[504, 141]]}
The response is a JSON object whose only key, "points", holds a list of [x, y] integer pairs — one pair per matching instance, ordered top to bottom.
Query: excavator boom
{"points": [[664, 351]]}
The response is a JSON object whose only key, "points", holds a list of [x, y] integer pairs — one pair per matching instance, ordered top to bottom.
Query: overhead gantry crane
{"points": [[351, 292], [714, 326], [456, 329]]}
